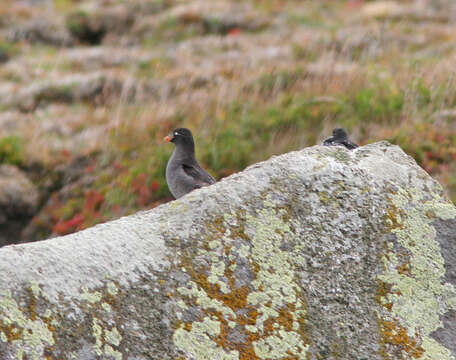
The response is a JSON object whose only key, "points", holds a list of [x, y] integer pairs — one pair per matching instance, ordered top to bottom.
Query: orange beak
{"points": [[167, 138]]}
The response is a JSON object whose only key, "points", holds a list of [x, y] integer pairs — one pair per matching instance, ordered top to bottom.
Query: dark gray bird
{"points": [[340, 137], [183, 173]]}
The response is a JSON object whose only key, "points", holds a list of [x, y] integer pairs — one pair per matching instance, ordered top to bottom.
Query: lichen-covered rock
{"points": [[323, 253]]}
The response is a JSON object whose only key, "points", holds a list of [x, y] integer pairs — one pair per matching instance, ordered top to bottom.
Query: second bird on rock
{"points": [[340, 137], [183, 173]]}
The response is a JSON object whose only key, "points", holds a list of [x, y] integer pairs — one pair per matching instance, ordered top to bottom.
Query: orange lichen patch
{"points": [[392, 214], [218, 225], [227, 250], [404, 269], [383, 290], [235, 300], [32, 303], [388, 306], [285, 317], [285, 320], [243, 325], [269, 326], [225, 330], [303, 330], [12, 332], [395, 335], [248, 354]]}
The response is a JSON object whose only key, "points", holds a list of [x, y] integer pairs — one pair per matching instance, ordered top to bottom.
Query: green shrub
{"points": [[86, 28], [7, 50], [380, 103], [11, 150]]}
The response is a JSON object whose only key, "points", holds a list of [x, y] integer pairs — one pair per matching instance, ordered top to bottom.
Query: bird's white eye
{"points": [[176, 133]]}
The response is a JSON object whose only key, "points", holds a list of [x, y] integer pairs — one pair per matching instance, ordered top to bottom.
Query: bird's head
{"points": [[339, 133], [180, 136]]}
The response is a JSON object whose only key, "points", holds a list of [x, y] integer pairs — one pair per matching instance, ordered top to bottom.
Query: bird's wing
{"points": [[329, 142], [345, 142], [349, 144], [198, 174]]}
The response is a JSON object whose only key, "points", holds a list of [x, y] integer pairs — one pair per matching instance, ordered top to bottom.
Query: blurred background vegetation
{"points": [[89, 88]]}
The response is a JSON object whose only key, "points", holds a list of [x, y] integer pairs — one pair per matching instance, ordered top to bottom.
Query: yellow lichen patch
{"points": [[412, 286], [112, 288], [276, 293], [91, 297], [234, 300], [106, 307], [267, 315], [31, 324], [22, 327], [97, 333], [107, 337]]}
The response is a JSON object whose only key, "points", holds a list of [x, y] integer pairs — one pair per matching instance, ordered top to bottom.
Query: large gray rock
{"points": [[316, 254]]}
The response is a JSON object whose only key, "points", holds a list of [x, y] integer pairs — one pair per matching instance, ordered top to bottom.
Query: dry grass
{"points": [[246, 94]]}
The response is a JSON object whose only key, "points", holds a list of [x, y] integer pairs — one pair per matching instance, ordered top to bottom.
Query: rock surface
{"points": [[316, 254]]}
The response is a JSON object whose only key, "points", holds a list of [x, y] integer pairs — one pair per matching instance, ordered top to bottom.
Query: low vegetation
{"points": [[251, 80]]}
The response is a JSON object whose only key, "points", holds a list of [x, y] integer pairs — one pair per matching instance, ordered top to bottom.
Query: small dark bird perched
{"points": [[340, 137], [183, 173]]}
